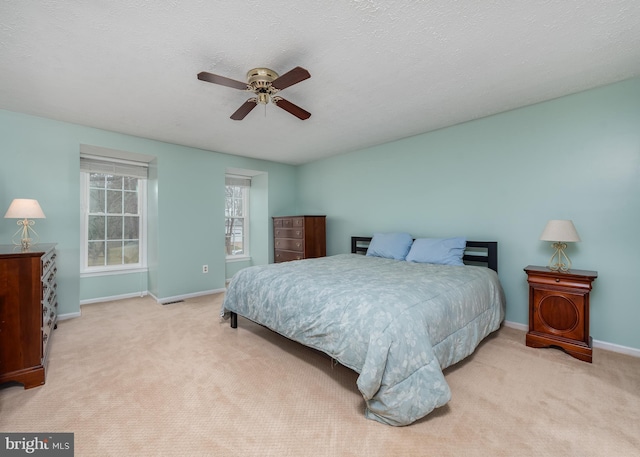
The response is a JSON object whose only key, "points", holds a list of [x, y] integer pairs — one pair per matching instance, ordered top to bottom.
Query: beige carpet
{"points": [[135, 378]]}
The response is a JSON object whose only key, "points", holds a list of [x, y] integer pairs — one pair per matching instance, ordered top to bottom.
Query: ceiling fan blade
{"points": [[290, 78], [216, 79], [291, 108], [244, 109]]}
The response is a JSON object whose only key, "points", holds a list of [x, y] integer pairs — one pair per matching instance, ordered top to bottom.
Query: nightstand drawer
{"points": [[560, 281]]}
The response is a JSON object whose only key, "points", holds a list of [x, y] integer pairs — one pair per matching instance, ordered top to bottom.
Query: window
{"points": [[113, 215], [236, 220]]}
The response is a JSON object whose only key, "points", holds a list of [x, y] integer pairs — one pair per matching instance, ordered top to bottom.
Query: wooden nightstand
{"points": [[559, 310]]}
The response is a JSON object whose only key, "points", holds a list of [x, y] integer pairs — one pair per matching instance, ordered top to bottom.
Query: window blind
{"points": [[114, 167], [243, 181]]}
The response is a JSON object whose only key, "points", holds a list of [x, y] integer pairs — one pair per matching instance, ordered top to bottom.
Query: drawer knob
{"points": [[557, 279]]}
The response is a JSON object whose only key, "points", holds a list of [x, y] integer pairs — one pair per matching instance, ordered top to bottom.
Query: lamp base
{"points": [[24, 235], [559, 261]]}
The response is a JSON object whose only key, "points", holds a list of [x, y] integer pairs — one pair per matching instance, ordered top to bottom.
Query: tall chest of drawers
{"points": [[299, 237], [28, 312]]}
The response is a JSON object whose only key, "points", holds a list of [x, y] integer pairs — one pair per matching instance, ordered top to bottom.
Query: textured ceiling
{"points": [[380, 69]]}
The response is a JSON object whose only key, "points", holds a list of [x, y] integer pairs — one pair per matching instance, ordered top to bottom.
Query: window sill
{"points": [[238, 258], [118, 271]]}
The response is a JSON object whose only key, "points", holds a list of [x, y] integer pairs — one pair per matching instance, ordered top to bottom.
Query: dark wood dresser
{"points": [[299, 237], [28, 312]]}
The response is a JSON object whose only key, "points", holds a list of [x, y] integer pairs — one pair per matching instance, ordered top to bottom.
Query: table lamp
{"points": [[25, 209], [560, 232]]}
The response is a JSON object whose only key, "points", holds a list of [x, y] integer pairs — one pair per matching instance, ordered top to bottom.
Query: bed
{"points": [[397, 323]]}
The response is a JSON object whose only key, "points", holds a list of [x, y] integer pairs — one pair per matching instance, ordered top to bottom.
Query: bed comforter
{"points": [[397, 324]]}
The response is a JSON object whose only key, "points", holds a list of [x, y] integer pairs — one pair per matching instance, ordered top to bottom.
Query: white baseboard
{"points": [[140, 294], [143, 294], [186, 296], [112, 298], [64, 317], [516, 325], [596, 343], [616, 348]]}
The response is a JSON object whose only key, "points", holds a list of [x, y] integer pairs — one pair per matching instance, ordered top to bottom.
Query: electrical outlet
{"points": [[205, 268]]}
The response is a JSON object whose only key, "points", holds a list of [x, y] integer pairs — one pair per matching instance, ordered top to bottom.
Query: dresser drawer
{"points": [[288, 222], [288, 233], [289, 244], [285, 256], [48, 262], [49, 278], [49, 297], [46, 333]]}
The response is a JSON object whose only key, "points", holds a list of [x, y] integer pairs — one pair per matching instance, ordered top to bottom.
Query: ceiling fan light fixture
{"points": [[261, 77], [264, 83], [263, 98]]}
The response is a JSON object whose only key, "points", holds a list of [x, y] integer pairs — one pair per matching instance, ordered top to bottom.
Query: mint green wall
{"points": [[40, 159], [501, 178], [260, 220], [153, 241], [98, 287]]}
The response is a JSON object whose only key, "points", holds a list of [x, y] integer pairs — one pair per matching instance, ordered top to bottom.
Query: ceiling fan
{"points": [[265, 84]]}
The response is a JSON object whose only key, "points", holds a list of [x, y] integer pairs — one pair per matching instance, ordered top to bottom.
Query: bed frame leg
{"points": [[234, 320]]}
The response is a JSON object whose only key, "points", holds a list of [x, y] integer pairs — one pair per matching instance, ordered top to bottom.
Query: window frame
{"points": [[85, 194], [246, 218]]}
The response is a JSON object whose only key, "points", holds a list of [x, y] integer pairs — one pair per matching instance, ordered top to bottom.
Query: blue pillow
{"points": [[390, 245], [443, 251]]}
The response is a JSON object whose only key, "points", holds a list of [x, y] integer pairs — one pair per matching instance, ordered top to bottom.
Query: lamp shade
{"points": [[24, 208], [560, 230]]}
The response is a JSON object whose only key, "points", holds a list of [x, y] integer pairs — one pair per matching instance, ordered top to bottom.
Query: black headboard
{"points": [[484, 253]]}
